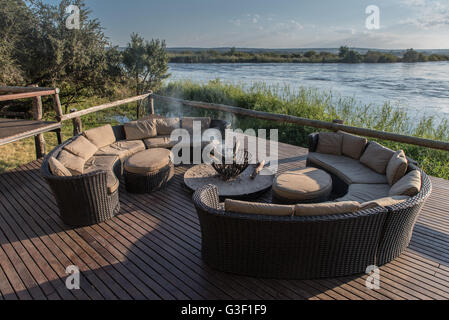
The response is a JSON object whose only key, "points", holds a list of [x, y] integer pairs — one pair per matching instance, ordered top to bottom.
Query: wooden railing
{"points": [[75, 115], [334, 126]]}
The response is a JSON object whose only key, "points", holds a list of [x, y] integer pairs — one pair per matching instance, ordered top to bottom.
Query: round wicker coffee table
{"points": [[148, 170], [241, 187]]}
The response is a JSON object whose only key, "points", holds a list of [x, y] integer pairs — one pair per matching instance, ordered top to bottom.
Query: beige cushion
{"points": [[187, 123], [165, 126], [137, 130], [101, 136], [159, 142], [330, 143], [353, 146], [82, 147], [122, 149], [376, 157], [147, 161], [74, 163], [100, 163], [104, 163], [397, 167], [57, 168], [349, 170], [303, 184], [409, 185], [366, 192], [384, 202], [258, 208], [326, 208]]}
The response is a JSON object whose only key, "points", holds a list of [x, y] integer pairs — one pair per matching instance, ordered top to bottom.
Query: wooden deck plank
{"points": [[152, 250]]}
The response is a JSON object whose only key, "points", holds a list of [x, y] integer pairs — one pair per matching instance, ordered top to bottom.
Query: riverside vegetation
{"points": [[345, 55]]}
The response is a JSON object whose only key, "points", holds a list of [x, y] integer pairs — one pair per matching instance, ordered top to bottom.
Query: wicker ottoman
{"points": [[148, 170], [308, 185]]}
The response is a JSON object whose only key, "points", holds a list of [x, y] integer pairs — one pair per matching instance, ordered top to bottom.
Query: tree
{"points": [[17, 35], [343, 51], [310, 54], [349, 56], [411, 56], [147, 63]]}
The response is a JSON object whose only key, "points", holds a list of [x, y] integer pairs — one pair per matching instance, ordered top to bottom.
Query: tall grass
{"points": [[313, 104]]}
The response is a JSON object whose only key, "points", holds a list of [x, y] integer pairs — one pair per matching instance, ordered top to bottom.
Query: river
{"points": [[421, 88]]}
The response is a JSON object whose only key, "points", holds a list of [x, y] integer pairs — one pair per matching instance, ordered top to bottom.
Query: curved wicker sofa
{"points": [[86, 199], [305, 247]]}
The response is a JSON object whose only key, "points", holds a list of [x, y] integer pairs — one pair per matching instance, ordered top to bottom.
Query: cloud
{"points": [[429, 13]]}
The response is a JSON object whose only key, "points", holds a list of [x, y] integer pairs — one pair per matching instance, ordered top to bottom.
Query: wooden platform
{"points": [[16, 129], [152, 250]]}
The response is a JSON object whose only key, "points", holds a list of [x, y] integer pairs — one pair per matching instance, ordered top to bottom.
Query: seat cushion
{"points": [[187, 123], [138, 130], [101, 136], [159, 142], [329, 143], [353, 146], [81, 147], [122, 149], [376, 157], [148, 161], [72, 162], [104, 163], [397, 167], [57, 168], [349, 170], [303, 184], [409, 185], [366, 192], [258, 208], [326, 208]]}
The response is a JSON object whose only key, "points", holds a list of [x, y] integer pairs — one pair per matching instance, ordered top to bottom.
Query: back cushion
{"points": [[187, 123], [165, 126], [138, 130], [101, 136], [330, 143], [353, 146], [82, 147], [376, 157], [74, 163], [397, 167], [57, 168], [409, 185], [384, 202], [258, 208], [326, 208]]}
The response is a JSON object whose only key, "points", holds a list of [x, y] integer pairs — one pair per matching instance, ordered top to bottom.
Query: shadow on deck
{"points": [[151, 250]]}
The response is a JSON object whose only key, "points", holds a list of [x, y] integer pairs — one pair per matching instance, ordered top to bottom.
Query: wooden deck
{"points": [[12, 130], [152, 250]]}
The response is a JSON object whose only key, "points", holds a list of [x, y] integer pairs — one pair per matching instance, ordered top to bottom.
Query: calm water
{"points": [[422, 88]]}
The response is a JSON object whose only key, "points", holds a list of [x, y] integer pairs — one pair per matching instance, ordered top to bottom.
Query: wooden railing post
{"points": [[151, 103], [57, 106], [77, 124], [39, 140]]}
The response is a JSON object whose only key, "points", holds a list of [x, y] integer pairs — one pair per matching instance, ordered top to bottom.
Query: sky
{"points": [[419, 24]]}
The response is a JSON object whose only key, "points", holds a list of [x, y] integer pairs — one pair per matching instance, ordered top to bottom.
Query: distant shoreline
{"points": [[344, 55]]}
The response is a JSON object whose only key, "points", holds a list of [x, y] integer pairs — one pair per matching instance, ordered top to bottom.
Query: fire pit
{"points": [[231, 162], [229, 171]]}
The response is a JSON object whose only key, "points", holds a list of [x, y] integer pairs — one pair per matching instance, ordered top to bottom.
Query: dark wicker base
{"points": [[153, 181]]}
